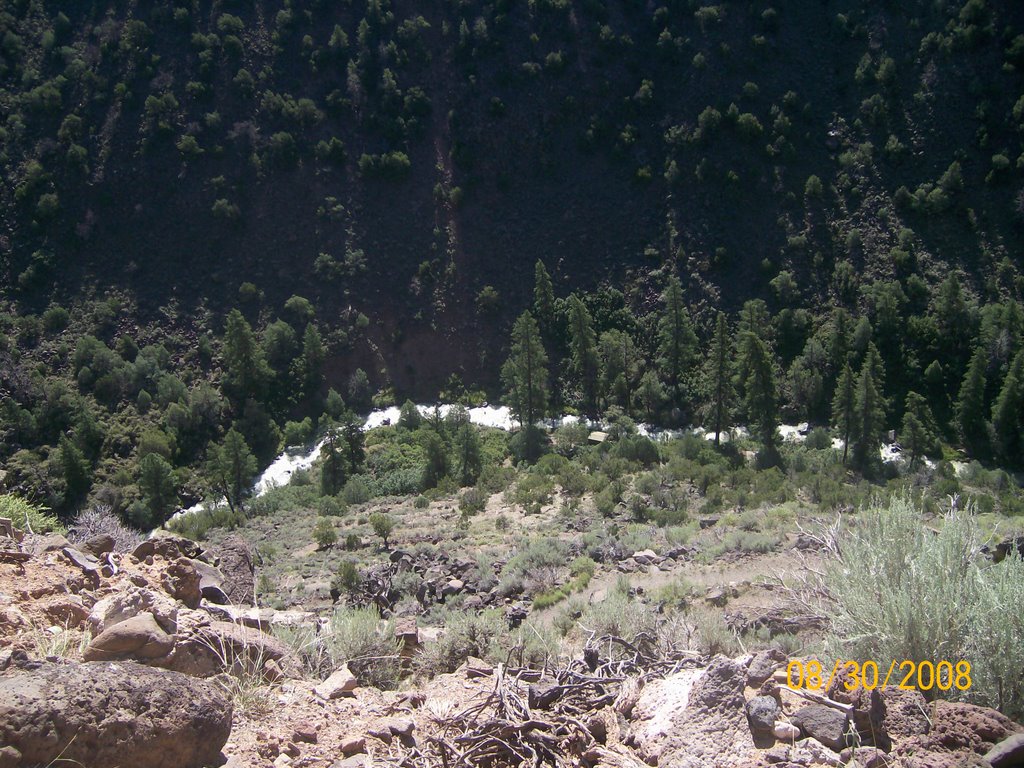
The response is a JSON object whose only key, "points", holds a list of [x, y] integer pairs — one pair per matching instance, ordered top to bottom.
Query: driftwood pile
{"points": [[550, 718]]}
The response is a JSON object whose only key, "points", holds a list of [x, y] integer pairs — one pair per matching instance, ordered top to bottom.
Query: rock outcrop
{"points": [[106, 714]]}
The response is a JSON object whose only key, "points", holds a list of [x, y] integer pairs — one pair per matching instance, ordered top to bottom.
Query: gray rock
{"points": [[98, 545], [168, 546], [236, 564], [211, 582], [763, 665], [762, 712], [106, 714], [825, 724], [1008, 753]]}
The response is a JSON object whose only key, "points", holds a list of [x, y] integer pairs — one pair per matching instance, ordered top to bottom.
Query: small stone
{"points": [[763, 665], [475, 667], [340, 683], [784, 731], [305, 732], [352, 745], [814, 752], [9, 757], [866, 757], [282, 760]]}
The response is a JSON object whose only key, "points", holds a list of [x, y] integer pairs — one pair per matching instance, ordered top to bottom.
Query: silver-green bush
{"points": [[897, 589]]}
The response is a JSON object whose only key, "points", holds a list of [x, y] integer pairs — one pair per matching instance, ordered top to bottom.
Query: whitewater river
{"points": [[297, 458]]}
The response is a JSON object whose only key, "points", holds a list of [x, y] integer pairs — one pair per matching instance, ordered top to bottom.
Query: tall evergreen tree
{"points": [[543, 298], [677, 343], [312, 359], [584, 364], [619, 368], [246, 371], [525, 373], [718, 373], [760, 393], [651, 394], [843, 405], [970, 407], [1008, 414], [869, 416], [919, 433], [352, 442], [468, 457], [333, 467], [435, 467], [231, 468], [74, 470], [158, 487]]}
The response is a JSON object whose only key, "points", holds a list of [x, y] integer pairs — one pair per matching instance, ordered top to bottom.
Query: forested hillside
{"points": [[244, 215]]}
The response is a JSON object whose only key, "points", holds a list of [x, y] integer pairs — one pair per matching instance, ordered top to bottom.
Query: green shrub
{"points": [[356, 490], [27, 516], [324, 534], [899, 590], [484, 636], [357, 637]]}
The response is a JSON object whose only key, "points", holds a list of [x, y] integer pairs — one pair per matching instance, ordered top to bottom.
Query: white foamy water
{"points": [[299, 458]]}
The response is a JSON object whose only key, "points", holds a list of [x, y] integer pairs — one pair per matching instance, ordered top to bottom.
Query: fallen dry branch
{"points": [[543, 722]]}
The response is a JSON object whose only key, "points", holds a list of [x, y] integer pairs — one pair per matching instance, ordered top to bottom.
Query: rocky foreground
{"points": [[136, 659]]}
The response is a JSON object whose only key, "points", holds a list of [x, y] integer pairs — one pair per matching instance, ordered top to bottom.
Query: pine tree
{"points": [[543, 298], [677, 343], [312, 359], [584, 364], [619, 365], [247, 371], [525, 373], [718, 373], [760, 393], [651, 394], [843, 405], [970, 407], [1008, 414], [869, 416], [919, 433], [352, 442], [468, 455], [435, 467], [231, 468], [333, 468], [75, 471], [158, 487]]}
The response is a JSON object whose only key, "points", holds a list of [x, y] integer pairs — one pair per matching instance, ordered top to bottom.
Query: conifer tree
{"points": [[543, 298], [677, 343], [312, 359], [584, 363], [619, 365], [246, 367], [525, 373], [718, 374], [651, 394], [760, 394], [843, 405], [970, 407], [1008, 414], [869, 416], [919, 434], [352, 442], [468, 456], [435, 467], [231, 468], [333, 469], [158, 488]]}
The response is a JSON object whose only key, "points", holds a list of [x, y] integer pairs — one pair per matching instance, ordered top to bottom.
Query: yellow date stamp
{"points": [[905, 675]]}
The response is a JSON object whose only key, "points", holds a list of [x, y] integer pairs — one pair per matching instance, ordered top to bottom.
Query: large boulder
{"points": [[167, 545], [207, 647], [104, 714], [696, 718], [826, 724], [960, 735]]}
